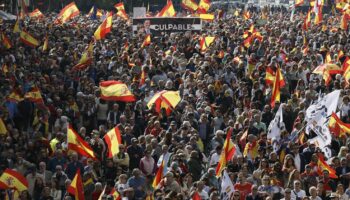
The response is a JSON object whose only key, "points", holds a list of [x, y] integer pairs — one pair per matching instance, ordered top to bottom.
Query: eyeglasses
{"points": [[236, 195]]}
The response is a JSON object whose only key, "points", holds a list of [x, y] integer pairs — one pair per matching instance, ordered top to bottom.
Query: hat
{"points": [[172, 123], [133, 140]]}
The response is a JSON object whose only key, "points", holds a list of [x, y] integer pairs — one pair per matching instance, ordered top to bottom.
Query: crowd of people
{"points": [[218, 92]]}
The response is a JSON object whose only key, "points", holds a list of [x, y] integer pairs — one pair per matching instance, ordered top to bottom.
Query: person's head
{"points": [[136, 172], [241, 178], [266, 180], [297, 185], [340, 189], [313, 191], [287, 194], [236, 195]]}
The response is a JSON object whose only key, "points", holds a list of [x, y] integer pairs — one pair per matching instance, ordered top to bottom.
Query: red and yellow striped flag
{"points": [[298, 3], [189, 5], [119, 6], [203, 6], [168, 10], [67, 13], [36, 14], [122, 14], [246, 15], [318, 15], [207, 17], [307, 21], [344, 22], [16, 28], [104, 28], [28, 39], [5, 41], [146, 41], [205, 42], [46, 43], [328, 58], [86, 59], [346, 64], [4, 68], [270, 76], [326, 76], [116, 91], [34, 95], [276, 95], [338, 127], [3, 129], [113, 139], [77, 144], [226, 154], [322, 165], [159, 175], [11, 179], [76, 187], [115, 194]]}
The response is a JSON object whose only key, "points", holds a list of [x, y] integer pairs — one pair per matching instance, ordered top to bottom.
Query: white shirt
{"points": [[214, 159], [297, 161], [300, 194]]}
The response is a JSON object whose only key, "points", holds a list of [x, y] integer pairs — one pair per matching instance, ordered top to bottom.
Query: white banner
{"points": [[276, 125], [227, 188]]}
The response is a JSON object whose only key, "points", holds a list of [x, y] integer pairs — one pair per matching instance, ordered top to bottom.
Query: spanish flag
{"points": [[298, 3], [189, 5], [119, 6], [203, 6], [168, 10], [67, 13], [36, 14], [122, 14], [246, 15], [318, 15], [207, 17], [307, 21], [344, 22], [16, 28], [104, 28], [29, 40], [5, 41], [146, 41], [205, 42], [46, 43], [305, 50], [340, 54], [86, 58], [328, 58], [346, 64], [4, 68], [346, 75], [269, 76], [326, 76], [143, 78], [116, 91], [34, 95], [276, 95], [15, 96], [337, 127], [3, 129], [113, 139], [76, 143], [251, 150], [226, 154], [322, 165], [159, 175], [11, 179], [76, 187], [115, 194]]}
